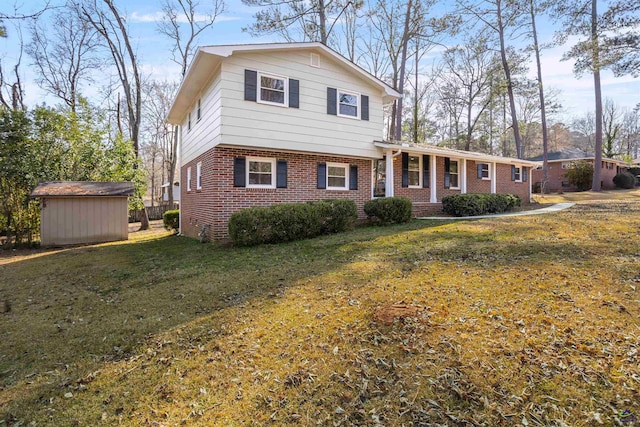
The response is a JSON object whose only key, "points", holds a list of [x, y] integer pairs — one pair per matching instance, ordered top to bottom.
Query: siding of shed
{"points": [[78, 220]]}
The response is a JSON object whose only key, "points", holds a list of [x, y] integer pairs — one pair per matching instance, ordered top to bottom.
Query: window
{"points": [[273, 89], [347, 104], [199, 115], [189, 121], [567, 165], [414, 171], [483, 171], [261, 172], [453, 174], [517, 174], [199, 176], [337, 176], [380, 177], [189, 178]]}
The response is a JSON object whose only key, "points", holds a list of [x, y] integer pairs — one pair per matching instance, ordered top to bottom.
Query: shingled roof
{"points": [[565, 154], [82, 188]]}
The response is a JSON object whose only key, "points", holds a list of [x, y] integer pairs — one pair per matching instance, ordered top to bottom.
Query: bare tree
{"points": [[500, 17], [298, 20], [183, 22], [110, 24], [64, 55], [470, 68], [11, 91], [612, 125]]}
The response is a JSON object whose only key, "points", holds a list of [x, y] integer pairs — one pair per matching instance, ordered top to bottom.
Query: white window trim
{"points": [[273, 76], [358, 106], [199, 110], [189, 126], [261, 160], [565, 165], [419, 171], [518, 174], [199, 176], [346, 176], [189, 178], [488, 178], [451, 187]]}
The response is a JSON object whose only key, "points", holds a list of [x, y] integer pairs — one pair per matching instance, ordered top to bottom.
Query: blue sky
{"points": [[154, 53]]}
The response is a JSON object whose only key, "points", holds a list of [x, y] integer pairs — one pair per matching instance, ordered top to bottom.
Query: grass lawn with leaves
{"points": [[521, 321]]}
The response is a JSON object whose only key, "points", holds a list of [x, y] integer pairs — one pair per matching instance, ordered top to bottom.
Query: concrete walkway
{"points": [[553, 208]]}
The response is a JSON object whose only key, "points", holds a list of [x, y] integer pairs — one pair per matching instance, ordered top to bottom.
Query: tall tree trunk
{"points": [[322, 18], [403, 63], [507, 74], [415, 98], [543, 114], [596, 185]]}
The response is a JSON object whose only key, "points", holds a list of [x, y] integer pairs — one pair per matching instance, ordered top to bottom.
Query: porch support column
{"points": [[494, 175], [388, 179], [433, 181], [463, 184]]}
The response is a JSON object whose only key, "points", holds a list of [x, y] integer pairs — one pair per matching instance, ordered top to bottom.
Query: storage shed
{"points": [[77, 212]]}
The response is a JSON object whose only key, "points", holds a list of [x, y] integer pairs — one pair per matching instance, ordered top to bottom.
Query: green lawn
{"points": [[588, 196], [523, 321]]}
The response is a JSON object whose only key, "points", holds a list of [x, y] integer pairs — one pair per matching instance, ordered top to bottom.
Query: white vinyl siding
{"points": [[308, 128], [206, 135]]}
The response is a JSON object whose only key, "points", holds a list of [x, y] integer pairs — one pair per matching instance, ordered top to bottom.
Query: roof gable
{"points": [[209, 58]]}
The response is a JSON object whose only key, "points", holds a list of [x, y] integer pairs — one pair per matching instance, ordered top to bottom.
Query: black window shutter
{"points": [[250, 85], [294, 93], [332, 101], [364, 109], [405, 169], [480, 170], [425, 171], [239, 172], [447, 172], [513, 173], [281, 174], [524, 174], [322, 176], [353, 177]]}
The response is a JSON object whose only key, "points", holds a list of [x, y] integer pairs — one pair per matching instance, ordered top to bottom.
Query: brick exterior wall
{"points": [[556, 176], [504, 184], [218, 199]]}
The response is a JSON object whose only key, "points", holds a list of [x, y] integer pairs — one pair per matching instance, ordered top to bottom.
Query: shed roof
{"points": [[82, 188]]}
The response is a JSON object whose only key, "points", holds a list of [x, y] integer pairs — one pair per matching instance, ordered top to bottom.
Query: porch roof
{"points": [[456, 154]]}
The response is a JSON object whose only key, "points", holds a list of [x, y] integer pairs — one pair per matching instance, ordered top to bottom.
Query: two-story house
{"points": [[273, 123]]}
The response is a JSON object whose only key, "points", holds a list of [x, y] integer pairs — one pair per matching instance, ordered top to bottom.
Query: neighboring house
{"points": [[273, 123], [560, 161], [176, 192]]}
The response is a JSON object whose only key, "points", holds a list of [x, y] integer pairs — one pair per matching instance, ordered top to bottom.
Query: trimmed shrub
{"points": [[580, 174], [624, 180], [479, 204], [389, 210], [336, 215], [171, 219], [291, 221]]}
